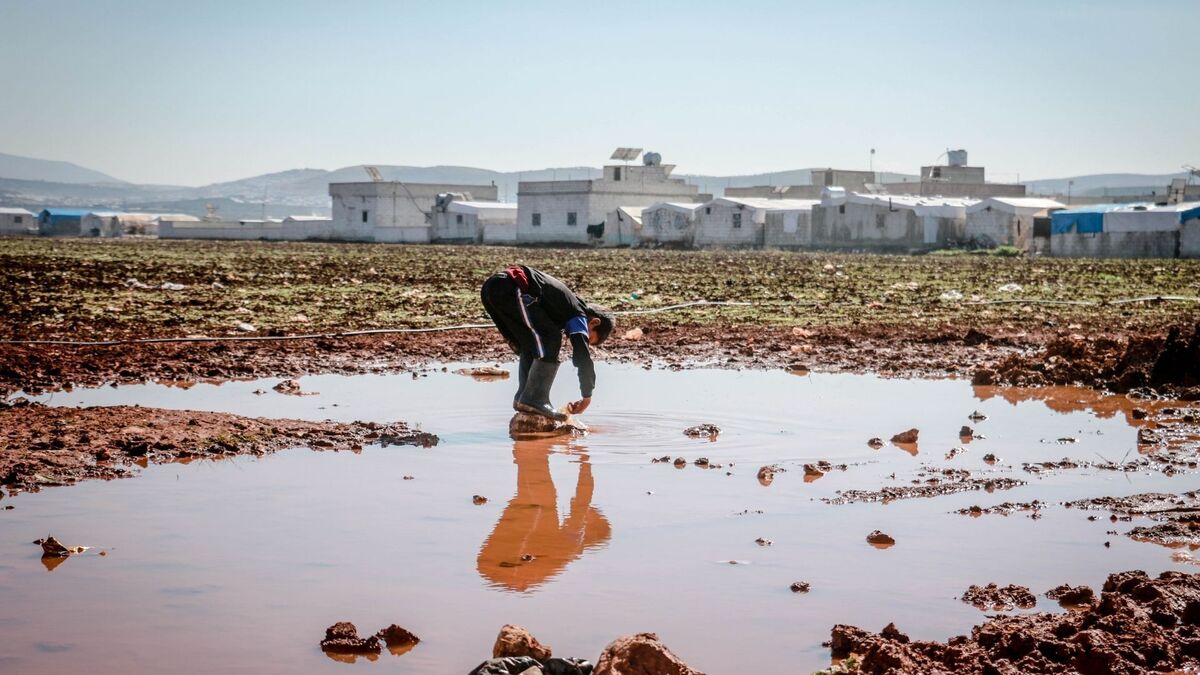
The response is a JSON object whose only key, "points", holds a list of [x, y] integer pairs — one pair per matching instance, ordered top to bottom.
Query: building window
{"points": [[616, 173], [841, 208], [708, 210], [366, 214], [18, 219], [458, 219], [572, 219], [537, 220], [737, 221]]}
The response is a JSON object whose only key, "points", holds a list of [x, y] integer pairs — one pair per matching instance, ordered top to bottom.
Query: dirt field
{"points": [[930, 315], [992, 320]]}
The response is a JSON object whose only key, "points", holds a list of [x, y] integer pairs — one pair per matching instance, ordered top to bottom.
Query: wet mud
{"points": [[1166, 365], [44, 446], [930, 487], [1004, 509], [1072, 596], [999, 598], [1140, 624]]}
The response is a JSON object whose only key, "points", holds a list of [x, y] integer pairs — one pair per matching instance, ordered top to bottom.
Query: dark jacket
{"points": [[568, 311]]}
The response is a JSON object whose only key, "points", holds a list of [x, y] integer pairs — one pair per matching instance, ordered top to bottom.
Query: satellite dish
{"points": [[626, 154], [652, 159], [373, 172]]}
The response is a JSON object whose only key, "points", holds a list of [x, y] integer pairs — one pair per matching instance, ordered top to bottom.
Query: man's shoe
{"points": [[536, 397], [545, 410]]}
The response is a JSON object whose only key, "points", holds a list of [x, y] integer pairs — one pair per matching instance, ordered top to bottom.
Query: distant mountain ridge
{"points": [[28, 168], [27, 182], [1100, 184]]}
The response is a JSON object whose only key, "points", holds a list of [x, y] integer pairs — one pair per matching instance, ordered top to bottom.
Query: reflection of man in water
{"points": [[529, 545]]}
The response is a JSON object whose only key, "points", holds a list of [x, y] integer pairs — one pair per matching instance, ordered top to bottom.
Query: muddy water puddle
{"points": [[238, 565]]}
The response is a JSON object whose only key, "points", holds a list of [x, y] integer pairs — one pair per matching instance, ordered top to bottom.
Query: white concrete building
{"points": [[392, 211], [577, 211], [457, 220], [17, 221], [735, 221], [1009, 221], [900, 222], [669, 223], [117, 224], [307, 228], [269, 230]]}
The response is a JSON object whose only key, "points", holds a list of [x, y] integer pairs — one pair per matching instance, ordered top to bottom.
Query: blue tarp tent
{"points": [[1083, 220], [56, 222]]}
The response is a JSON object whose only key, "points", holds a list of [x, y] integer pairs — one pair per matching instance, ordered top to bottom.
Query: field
{"points": [[81, 289], [1041, 416]]}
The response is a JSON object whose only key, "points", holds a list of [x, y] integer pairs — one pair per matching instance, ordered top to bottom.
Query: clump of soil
{"points": [[1168, 364], [484, 373], [291, 388], [525, 426], [702, 431], [909, 436], [43, 446], [766, 474], [955, 485], [479, 500], [1156, 505], [1004, 509], [1172, 534], [879, 539], [53, 548], [800, 587], [1067, 595], [999, 598], [1140, 625], [397, 637], [342, 638], [517, 641], [640, 654]]}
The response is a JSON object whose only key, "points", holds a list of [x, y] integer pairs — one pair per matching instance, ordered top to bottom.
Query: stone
{"points": [[530, 425], [516, 641], [641, 654]]}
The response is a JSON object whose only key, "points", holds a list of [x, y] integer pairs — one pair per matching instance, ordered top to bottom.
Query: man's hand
{"points": [[579, 406]]}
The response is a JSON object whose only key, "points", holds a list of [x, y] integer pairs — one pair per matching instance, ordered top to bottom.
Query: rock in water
{"points": [[527, 425], [342, 638], [516, 641], [641, 654]]}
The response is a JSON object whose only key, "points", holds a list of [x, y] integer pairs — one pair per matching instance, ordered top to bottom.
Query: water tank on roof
{"points": [[957, 157], [652, 159]]}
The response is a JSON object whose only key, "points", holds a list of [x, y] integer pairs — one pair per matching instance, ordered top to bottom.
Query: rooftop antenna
{"points": [[1193, 172]]}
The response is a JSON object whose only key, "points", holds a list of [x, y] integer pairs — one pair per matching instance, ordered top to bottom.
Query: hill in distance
{"points": [[28, 168], [34, 184]]}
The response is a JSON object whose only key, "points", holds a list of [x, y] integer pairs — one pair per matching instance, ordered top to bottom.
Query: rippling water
{"points": [[238, 565]]}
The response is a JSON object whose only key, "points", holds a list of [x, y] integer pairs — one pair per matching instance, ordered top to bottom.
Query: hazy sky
{"points": [[188, 92]]}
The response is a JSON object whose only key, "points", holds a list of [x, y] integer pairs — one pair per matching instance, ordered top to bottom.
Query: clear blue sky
{"points": [[190, 92]]}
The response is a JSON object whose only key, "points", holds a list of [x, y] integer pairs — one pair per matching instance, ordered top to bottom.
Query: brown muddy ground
{"points": [[822, 311], [44, 446], [1139, 625]]}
